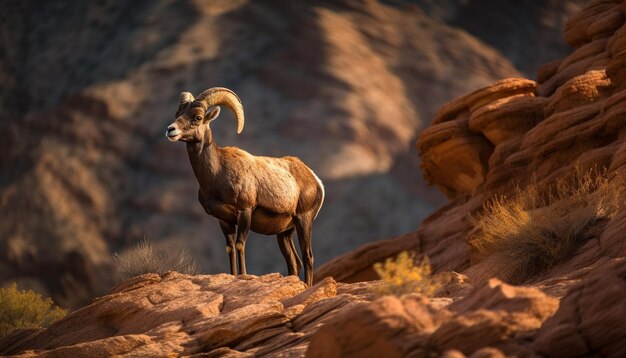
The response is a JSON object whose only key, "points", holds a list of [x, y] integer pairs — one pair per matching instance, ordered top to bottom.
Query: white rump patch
{"points": [[321, 185]]}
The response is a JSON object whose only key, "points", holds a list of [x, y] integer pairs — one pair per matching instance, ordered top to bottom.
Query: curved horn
{"points": [[223, 96]]}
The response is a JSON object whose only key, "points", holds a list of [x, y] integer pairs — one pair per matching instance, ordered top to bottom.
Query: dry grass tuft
{"points": [[544, 226], [145, 258], [403, 275], [25, 309]]}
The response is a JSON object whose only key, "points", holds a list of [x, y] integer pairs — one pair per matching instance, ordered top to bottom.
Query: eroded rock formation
{"points": [[88, 88], [514, 132], [509, 134], [485, 143], [177, 314], [222, 315]]}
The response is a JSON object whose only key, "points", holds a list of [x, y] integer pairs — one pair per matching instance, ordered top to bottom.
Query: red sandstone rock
{"points": [[577, 28], [616, 42], [579, 62], [548, 70], [501, 89], [578, 91], [507, 118], [575, 119], [483, 143], [453, 144], [86, 169], [452, 284], [216, 315], [496, 315], [591, 318], [389, 326]]}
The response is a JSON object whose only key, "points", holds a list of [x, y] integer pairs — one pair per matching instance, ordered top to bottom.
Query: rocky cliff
{"points": [[88, 88], [516, 132], [521, 133], [511, 134], [274, 316]]}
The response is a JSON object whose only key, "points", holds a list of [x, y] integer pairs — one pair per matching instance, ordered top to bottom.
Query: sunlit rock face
{"points": [[89, 87], [515, 132], [505, 136], [499, 137], [271, 315]]}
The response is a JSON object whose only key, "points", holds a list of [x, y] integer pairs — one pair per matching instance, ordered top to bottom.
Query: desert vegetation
{"points": [[542, 226], [145, 258], [404, 274], [25, 309]]}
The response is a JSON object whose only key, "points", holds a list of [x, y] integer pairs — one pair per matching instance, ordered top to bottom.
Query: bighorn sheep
{"points": [[272, 196]]}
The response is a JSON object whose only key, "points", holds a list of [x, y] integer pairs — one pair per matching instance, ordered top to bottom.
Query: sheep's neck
{"points": [[205, 160]]}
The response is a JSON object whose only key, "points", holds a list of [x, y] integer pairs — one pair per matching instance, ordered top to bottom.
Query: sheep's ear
{"points": [[212, 115]]}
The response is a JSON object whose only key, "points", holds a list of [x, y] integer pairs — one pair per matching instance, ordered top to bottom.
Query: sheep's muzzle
{"points": [[173, 133]]}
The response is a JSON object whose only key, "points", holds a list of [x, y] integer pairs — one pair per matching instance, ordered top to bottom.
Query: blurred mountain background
{"points": [[88, 88]]}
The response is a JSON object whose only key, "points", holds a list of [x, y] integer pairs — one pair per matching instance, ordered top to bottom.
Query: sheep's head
{"points": [[195, 114]]}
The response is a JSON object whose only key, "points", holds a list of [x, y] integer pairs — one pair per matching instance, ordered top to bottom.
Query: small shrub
{"points": [[544, 226], [145, 258], [403, 275], [25, 309]]}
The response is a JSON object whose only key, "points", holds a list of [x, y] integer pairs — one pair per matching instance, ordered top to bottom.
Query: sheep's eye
{"points": [[198, 118]]}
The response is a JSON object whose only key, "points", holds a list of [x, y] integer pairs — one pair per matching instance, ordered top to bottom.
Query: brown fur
{"points": [[272, 196]]}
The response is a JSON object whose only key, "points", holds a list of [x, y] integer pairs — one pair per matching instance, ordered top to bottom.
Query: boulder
{"points": [[590, 318]]}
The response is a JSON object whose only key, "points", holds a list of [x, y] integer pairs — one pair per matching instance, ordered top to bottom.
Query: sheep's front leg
{"points": [[243, 228], [229, 233]]}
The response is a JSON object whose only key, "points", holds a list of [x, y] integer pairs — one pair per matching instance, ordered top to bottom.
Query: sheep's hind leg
{"points": [[303, 227], [243, 228], [229, 231], [285, 242], [295, 253]]}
